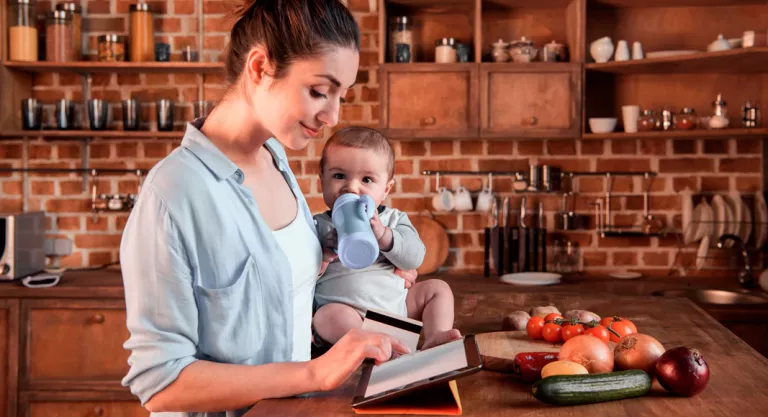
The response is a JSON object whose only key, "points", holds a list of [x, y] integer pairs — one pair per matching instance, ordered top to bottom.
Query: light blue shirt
{"points": [[204, 276]]}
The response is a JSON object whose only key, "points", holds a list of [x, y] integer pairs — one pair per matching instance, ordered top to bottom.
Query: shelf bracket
{"points": [[85, 155]]}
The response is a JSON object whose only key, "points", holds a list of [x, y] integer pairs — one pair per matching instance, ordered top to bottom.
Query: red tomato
{"points": [[551, 317], [619, 325], [534, 327], [572, 330], [599, 332], [552, 333]]}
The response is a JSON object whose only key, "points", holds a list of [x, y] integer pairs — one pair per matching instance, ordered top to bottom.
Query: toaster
{"points": [[22, 236]]}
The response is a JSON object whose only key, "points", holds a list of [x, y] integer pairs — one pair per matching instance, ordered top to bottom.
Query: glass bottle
{"points": [[75, 10], [22, 31], [401, 40], [142, 44], [59, 45], [686, 120], [647, 121]]}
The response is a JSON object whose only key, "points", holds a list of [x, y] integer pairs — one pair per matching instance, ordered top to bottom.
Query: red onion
{"points": [[682, 371]]}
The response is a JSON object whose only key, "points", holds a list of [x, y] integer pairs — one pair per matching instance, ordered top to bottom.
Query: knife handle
{"points": [[526, 249], [535, 249], [500, 250], [543, 250], [486, 255], [513, 261]]}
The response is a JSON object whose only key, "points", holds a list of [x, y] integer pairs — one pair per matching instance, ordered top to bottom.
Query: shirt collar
{"points": [[221, 166]]}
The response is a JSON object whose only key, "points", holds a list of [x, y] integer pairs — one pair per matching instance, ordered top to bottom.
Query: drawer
{"points": [[73, 344], [85, 409]]}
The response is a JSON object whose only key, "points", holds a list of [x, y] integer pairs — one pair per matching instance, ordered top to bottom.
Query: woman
{"points": [[220, 254]]}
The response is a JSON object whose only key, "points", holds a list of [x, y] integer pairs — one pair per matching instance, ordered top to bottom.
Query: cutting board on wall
{"points": [[435, 240], [499, 349]]}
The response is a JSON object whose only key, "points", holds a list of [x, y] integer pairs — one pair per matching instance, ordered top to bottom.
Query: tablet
{"points": [[417, 371]]}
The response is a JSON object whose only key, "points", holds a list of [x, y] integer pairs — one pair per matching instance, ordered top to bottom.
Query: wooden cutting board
{"points": [[435, 240], [499, 349]]}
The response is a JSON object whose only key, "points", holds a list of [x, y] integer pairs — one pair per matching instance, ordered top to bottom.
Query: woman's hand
{"points": [[409, 276], [330, 370]]}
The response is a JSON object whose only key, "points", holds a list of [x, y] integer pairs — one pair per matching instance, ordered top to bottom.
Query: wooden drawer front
{"points": [[431, 102], [9, 334], [75, 344], [86, 409]]}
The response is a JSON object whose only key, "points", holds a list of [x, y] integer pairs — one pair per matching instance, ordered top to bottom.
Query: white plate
{"points": [[664, 54], [718, 206], [704, 216], [761, 218], [746, 225], [689, 227], [701, 254], [625, 275], [531, 278]]}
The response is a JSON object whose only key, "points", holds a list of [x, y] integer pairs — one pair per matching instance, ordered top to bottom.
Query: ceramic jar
{"points": [[601, 49], [523, 50], [500, 51]]}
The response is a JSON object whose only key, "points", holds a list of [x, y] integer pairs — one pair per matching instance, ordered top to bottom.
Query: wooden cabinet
{"points": [[424, 100], [533, 100], [9, 332], [73, 344], [80, 404]]}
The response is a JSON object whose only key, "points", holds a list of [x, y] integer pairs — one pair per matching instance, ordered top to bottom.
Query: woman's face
{"points": [[295, 108]]}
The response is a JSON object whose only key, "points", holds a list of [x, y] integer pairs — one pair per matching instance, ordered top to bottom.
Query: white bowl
{"points": [[602, 124]]}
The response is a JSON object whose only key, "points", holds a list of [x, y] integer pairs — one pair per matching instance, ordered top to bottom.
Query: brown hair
{"points": [[289, 30], [362, 138]]}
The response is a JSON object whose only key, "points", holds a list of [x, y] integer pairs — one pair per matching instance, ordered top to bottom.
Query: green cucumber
{"points": [[587, 389]]}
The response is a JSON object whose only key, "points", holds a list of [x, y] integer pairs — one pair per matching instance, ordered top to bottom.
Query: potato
{"points": [[543, 311], [583, 316], [515, 321]]}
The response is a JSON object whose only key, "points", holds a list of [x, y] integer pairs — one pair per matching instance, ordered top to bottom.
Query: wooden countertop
{"points": [[738, 373]]}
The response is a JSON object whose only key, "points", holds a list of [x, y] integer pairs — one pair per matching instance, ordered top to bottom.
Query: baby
{"points": [[360, 160]]}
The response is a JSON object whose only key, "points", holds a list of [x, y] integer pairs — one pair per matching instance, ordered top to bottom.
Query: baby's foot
{"points": [[440, 338]]}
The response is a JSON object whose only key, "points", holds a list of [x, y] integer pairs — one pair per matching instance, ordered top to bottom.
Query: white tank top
{"points": [[300, 244]]}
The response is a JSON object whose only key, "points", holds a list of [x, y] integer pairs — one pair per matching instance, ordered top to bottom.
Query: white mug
{"points": [[622, 51], [630, 114], [462, 199], [443, 200], [484, 200]]}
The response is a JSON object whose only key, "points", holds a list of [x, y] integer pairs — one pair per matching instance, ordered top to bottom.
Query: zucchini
{"points": [[587, 389]]}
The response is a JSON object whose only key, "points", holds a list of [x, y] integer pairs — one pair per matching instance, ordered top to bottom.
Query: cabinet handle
{"points": [[428, 121], [534, 121], [98, 318], [98, 411]]}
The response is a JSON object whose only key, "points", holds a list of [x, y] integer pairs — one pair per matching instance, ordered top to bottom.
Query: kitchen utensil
{"points": [[719, 44], [601, 49], [523, 50], [637, 50], [500, 51], [622, 51], [162, 52], [554, 52], [189, 54], [667, 54], [164, 109], [31, 114], [65, 114], [98, 114], [131, 114], [630, 115], [750, 115], [602, 124], [534, 178], [551, 178], [485, 197], [462, 199], [443, 200], [702, 215], [351, 216], [761, 220], [746, 224], [689, 228], [495, 234], [502, 235], [525, 235], [543, 238], [435, 240], [487, 246], [513, 250], [701, 253], [625, 275], [531, 278], [499, 349]]}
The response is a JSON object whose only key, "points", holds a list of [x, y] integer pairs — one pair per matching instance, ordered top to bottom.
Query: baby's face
{"points": [[357, 171]]}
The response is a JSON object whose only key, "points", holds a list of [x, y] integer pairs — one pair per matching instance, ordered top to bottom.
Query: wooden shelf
{"points": [[674, 3], [741, 60], [117, 67], [76, 134], [691, 134]]}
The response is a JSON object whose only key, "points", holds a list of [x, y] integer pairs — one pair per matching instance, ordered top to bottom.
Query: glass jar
{"points": [[75, 10], [22, 31], [401, 40], [59, 45], [111, 47], [142, 47], [445, 51], [462, 52], [750, 115], [667, 118], [719, 119], [686, 120], [647, 121]]}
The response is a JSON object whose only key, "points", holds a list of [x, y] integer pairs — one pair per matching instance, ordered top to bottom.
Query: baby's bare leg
{"points": [[431, 302], [332, 321]]}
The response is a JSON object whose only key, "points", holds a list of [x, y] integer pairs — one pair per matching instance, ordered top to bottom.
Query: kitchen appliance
{"points": [[22, 237]]}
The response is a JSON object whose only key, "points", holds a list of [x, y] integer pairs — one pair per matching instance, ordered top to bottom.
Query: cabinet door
{"points": [[429, 100], [530, 100], [73, 344], [9, 353], [80, 404]]}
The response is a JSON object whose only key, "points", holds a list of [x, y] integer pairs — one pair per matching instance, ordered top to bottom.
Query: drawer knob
{"points": [[428, 121], [534, 121], [98, 318], [98, 411]]}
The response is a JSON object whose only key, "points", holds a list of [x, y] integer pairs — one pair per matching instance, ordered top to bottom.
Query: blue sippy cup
{"points": [[351, 215]]}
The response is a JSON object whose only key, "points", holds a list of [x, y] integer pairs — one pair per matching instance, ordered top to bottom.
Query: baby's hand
{"points": [[377, 226], [330, 241]]}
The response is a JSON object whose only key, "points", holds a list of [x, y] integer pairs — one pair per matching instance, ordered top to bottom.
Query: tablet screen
{"points": [[417, 366]]}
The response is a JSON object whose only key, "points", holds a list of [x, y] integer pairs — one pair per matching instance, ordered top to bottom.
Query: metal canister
{"points": [[555, 52], [750, 115], [667, 119], [550, 178]]}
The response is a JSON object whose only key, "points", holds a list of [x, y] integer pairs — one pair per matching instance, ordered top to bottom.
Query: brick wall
{"points": [[707, 165]]}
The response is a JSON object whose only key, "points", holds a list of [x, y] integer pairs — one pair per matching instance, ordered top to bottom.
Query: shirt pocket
{"points": [[232, 318]]}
